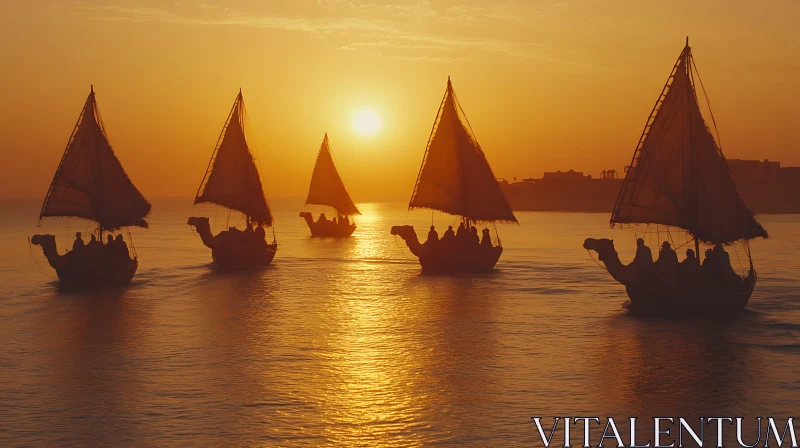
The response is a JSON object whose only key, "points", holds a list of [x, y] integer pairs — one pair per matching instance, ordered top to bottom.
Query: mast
{"points": [[693, 155], [460, 166], [99, 174]]}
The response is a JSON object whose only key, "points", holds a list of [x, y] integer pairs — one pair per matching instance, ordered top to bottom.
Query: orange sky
{"points": [[546, 84]]}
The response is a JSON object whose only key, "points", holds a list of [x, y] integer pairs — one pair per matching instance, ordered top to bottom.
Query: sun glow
{"points": [[366, 122]]}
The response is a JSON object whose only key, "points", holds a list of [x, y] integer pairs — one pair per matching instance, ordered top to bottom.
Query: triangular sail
{"points": [[679, 176], [455, 177], [232, 180], [90, 181], [327, 187]]}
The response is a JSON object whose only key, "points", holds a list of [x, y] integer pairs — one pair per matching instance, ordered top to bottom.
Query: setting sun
{"points": [[366, 122]]}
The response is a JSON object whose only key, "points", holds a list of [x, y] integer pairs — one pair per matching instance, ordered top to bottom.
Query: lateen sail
{"points": [[679, 176], [455, 177], [233, 179], [90, 181], [327, 187]]}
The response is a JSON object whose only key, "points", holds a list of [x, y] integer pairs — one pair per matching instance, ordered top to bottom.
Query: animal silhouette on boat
{"points": [[455, 178], [679, 178], [232, 181], [90, 183], [328, 189], [336, 227], [235, 247], [454, 252], [90, 266], [683, 288]]}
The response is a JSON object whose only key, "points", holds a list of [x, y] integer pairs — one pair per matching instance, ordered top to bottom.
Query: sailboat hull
{"points": [[329, 230], [236, 256], [443, 257], [442, 260], [79, 275], [710, 298]]}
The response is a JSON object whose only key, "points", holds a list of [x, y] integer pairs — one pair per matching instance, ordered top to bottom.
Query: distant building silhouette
{"points": [[754, 170], [609, 174], [569, 175], [765, 187]]}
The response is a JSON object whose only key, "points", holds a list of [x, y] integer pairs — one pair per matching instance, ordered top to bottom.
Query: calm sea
{"points": [[343, 343]]}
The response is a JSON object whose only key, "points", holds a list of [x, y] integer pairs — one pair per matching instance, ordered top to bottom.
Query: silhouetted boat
{"points": [[455, 178], [679, 178], [232, 181], [90, 183], [328, 189]]}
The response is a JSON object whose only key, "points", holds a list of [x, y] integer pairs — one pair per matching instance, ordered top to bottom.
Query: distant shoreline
{"points": [[765, 187]]}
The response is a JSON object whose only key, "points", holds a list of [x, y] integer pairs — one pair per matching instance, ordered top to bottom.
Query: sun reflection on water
{"points": [[370, 234], [369, 400]]}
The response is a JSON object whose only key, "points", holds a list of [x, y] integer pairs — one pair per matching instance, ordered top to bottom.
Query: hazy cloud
{"points": [[416, 30]]}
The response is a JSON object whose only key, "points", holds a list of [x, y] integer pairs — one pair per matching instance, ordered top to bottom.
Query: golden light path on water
{"points": [[344, 343], [368, 399]]}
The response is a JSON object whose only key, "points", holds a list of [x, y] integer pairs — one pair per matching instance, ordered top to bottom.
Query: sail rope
{"points": [[708, 101], [460, 109], [216, 212], [648, 233], [658, 236], [686, 243], [133, 246], [401, 249], [589, 251], [736, 251], [33, 258]]}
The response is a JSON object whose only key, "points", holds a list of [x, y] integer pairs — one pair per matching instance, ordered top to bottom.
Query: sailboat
{"points": [[455, 178], [680, 179], [232, 181], [90, 183], [328, 189]]}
